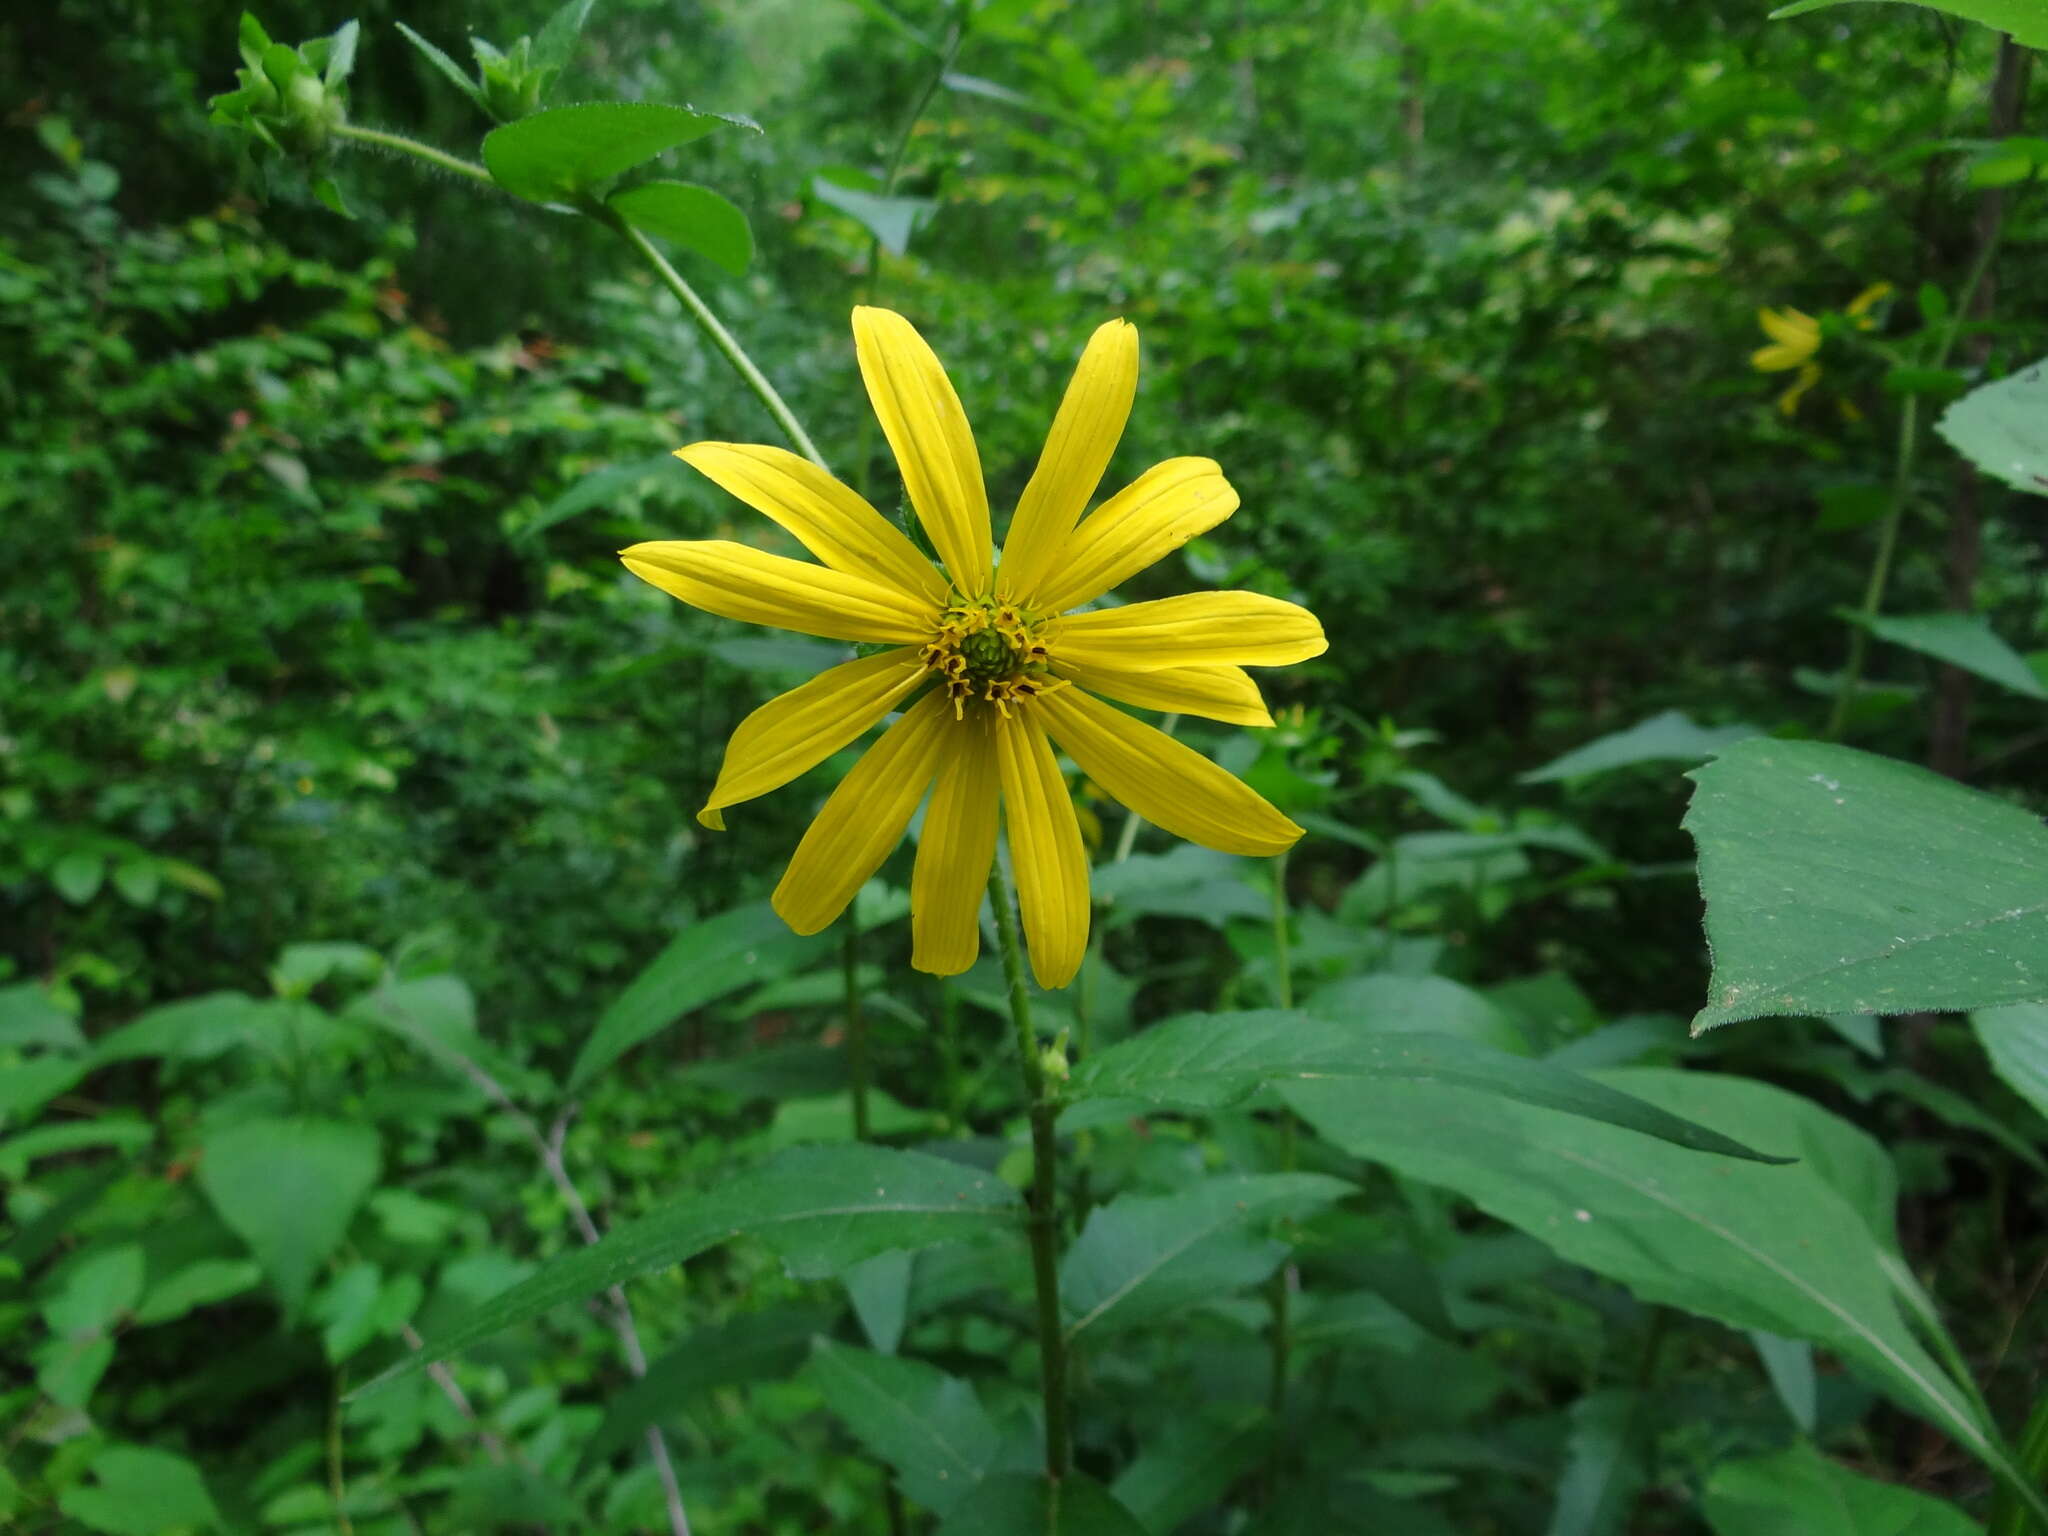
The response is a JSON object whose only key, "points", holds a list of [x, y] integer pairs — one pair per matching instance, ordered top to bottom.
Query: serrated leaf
{"points": [[2026, 20], [568, 152], [693, 217], [892, 220], [2002, 427], [1669, 737], [1840, 882], [703, 963], [1212, 1060], [287, 1188], [822, 1208], [1805, 1250], [1142, 1256], [761, 1346], [927, 1425], [1799, 1492], [1015, 1504]]}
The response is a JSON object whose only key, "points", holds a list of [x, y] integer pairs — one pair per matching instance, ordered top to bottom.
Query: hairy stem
{"points": [[400, 144], [1044, 1223]]}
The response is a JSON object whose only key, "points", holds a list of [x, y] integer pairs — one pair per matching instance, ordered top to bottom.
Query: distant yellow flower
{"points": [[1795, 339], [989, 655]]}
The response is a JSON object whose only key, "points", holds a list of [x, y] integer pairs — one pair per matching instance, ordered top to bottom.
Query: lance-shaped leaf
{"points": [[568, 151], [891, 220], [1963, 640], [1669, 737], [1839, 882], [1212, 1060], [821, 1208], [1806, 1251], [1144, 1255], [927, 1425], [1799, 1492]]}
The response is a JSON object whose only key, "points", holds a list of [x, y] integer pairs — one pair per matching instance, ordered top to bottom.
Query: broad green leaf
{"points": [[2026, 20], [568, 152], [693, 217], [891, 220], [2002, 427], [1962, 640], [1670, 737], [77, 876], [1839, 882], [704, 962], [302, 967], [1429, 1005], [196, 1029], [2016, 1039], [1213, 1060], [27, 1086], [121, 1132], [287, 1188], [822, 1208], [1805, 1250], [1144, 1255], [198, 1284], [94, 1290], [760, 1346], [1789, 1364], [927, 1425], [1603, 1465], [138, 1491], [1799, 1492], [1018, 1504]]}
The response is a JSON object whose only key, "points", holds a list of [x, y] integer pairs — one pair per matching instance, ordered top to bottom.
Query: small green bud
{"points": [[1052, 1059]]}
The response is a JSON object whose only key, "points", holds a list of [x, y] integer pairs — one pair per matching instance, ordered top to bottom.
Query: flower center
{"points": [[990, 651]]}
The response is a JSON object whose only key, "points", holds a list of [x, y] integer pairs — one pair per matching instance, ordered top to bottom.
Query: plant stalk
{"points": [[399, 143], [1044, 1222], [1280, 1289]]}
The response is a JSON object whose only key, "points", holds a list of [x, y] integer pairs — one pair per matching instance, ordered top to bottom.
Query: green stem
{"points": [[404, 146], [720, 337], [1901, 493], [1128, 837], [856, 1023], [1280, 1294], [1052, 1346]]}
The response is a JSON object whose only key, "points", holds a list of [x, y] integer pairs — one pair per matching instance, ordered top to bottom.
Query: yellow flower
{"points": [[1859, 307], [1795, 337], [990, 656]]}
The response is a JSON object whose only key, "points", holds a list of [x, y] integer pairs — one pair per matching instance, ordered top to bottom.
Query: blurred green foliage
{"points": [[323, 688]]}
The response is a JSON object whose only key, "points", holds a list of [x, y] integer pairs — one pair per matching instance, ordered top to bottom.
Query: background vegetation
{"points": [[337, 752]]}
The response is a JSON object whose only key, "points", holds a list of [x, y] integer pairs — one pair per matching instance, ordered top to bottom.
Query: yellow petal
{"points": [[1860, 306], [1790, 327], [1776, 358], [1788, 402], [1084, 434], [934, 446], [827, 518], [1145, 521], [738, 582], [1243, 629], [1214, 693], [798, 730], [1170, 785], [864, 818], [955, 851], [1046, 854]]}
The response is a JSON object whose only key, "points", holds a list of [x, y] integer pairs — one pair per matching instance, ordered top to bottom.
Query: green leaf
{"points": [[2026, 20], [556, 43], [341, 53], [450, 71], [567, 152], [693, 217], [891, 220], [2002, 427], [597, 488], [1962, 640], [1670, 737], [77, 876], [1839, 882], [701, 964], [1430, 1005], [29, 1015], [196, 1029], [2016, 1039], [1213, 1060], [120, 1132], [288, 1188], [823, 1208], [1805, 1250], [1145, 1255], [199, 1284], [879, 1289], [94, 1290], [761, 1346], [1789, 1364], [927, 1425], [1189, 1465], [1603, 1465], [138, 1491], [1799, 1492], [1017, 1504]]}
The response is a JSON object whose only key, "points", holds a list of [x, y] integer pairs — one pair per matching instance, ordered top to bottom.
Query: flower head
{"points": [[1796, 338], [991, 660]]}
